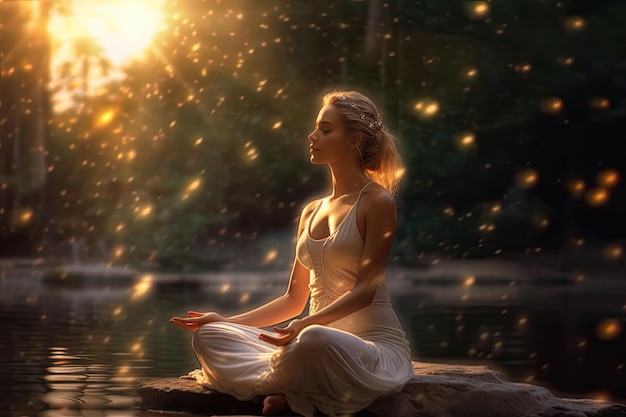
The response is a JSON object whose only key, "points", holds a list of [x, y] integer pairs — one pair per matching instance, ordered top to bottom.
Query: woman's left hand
{"points": [[285, 334]]}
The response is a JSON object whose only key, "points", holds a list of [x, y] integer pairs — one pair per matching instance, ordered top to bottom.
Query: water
{"points": [[82, 350]]}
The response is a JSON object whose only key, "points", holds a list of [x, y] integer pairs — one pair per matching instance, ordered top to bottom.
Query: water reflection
{"points": [[82, 351]]}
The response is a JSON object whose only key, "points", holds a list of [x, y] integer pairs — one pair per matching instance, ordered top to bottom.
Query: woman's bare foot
{"points": [[275, 404]]}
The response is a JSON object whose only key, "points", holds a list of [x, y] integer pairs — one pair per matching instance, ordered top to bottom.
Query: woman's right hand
{"points": [[196, 319]]}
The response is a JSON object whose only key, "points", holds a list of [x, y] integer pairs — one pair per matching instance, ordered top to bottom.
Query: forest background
{"points": [[511, 116]]}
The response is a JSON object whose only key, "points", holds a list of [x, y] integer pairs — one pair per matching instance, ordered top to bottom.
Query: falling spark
{"points": [[476, 9], [574, 23], [599, 103], [551, 105], [426, 108], [105, 118], [277, 125], [465, 141], [527, 178], [608, 178], [193, 186], [575, 187], [597, 197], [145, 211], [449, 211], [25, 215], [614, 251], [270, 256], [469, 281], [142, 287], [609, 329]]}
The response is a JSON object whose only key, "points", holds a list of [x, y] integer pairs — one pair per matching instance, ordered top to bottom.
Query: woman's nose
{"points": [[311, 137]]}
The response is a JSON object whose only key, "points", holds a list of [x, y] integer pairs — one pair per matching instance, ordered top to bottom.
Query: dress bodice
{"points": [[334, 264]]}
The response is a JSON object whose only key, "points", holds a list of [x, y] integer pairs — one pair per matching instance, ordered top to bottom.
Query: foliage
{"points": [[204, 140]]}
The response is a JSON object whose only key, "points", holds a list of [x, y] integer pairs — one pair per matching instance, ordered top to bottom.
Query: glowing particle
{"points": [[476, 9], [574, 23], [472, 73], [599, 103], [551, 105], [426, 108], [105, 118], [277, 125], [198, 141], [465, 141], [132, 154], [527, 178], [608, 178], [194, 185], [576, 187], [597, 197], [145, 211], [449, 211], [25, 215], [614, 251], [270, 256], [469, 281], [142, 287], [117, 311], [608, 329]]}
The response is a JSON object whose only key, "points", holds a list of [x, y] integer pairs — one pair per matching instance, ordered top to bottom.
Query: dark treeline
{"points": [[511, 118]]}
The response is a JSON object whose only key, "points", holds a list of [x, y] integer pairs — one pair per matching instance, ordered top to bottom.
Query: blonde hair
{"points": [[378, 150]]}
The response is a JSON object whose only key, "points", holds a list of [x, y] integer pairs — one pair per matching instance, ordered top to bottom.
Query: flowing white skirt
{"points": [[324, 369]]}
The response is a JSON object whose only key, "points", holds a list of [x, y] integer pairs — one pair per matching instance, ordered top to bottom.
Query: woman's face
{"points": [[329, 142]]}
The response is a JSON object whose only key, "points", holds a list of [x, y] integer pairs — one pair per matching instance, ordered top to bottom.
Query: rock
{"points": [[436, 390]]}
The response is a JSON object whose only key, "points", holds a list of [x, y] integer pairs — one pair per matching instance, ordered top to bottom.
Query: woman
{"points": [[350, 349]]}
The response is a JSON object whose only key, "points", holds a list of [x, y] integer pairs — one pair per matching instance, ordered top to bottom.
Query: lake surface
{"points": [[81, 350]]}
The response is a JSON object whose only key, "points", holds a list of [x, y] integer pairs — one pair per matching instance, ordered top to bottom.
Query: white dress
{"points": [[334, 369]]}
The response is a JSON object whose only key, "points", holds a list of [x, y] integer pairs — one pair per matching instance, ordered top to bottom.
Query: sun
{"points": [[122, 29], [87, 33]]}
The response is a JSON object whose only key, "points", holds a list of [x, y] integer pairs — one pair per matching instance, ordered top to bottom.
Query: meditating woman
{"points": [[350, 349]]}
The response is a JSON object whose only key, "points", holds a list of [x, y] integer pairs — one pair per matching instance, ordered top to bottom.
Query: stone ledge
{"points": [[436, 390]]}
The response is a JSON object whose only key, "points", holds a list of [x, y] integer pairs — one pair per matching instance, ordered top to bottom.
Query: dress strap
{"points": [[361, 192]]}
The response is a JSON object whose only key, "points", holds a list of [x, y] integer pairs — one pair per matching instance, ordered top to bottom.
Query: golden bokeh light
{"points": [[476, 9], [574, 23], [122, 29], [599, 103], [551, 105], [426, 108], [105, 118], [465, 141], [527, 178], [608, 178], [576, 187], [597, 197], [469, 281], [142, 287], [609, 329]]}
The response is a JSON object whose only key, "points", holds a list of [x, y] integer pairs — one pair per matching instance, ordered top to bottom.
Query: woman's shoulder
{"points": [[377, 200]]}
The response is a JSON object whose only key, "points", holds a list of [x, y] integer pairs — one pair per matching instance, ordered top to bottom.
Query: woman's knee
{"points": [[209, 331], [315, 337]]}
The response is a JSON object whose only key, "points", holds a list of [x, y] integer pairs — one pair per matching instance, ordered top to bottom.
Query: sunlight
{"points": [[122, 29], [110, 30]]}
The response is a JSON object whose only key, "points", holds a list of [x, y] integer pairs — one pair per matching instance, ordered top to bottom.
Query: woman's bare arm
{"points": [[276, 311]]}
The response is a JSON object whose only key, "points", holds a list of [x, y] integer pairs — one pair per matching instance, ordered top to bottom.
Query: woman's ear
{"points": [[355, 140]]}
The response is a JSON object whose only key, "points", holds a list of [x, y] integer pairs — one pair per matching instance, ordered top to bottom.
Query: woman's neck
{"points": [[346, 180]]}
